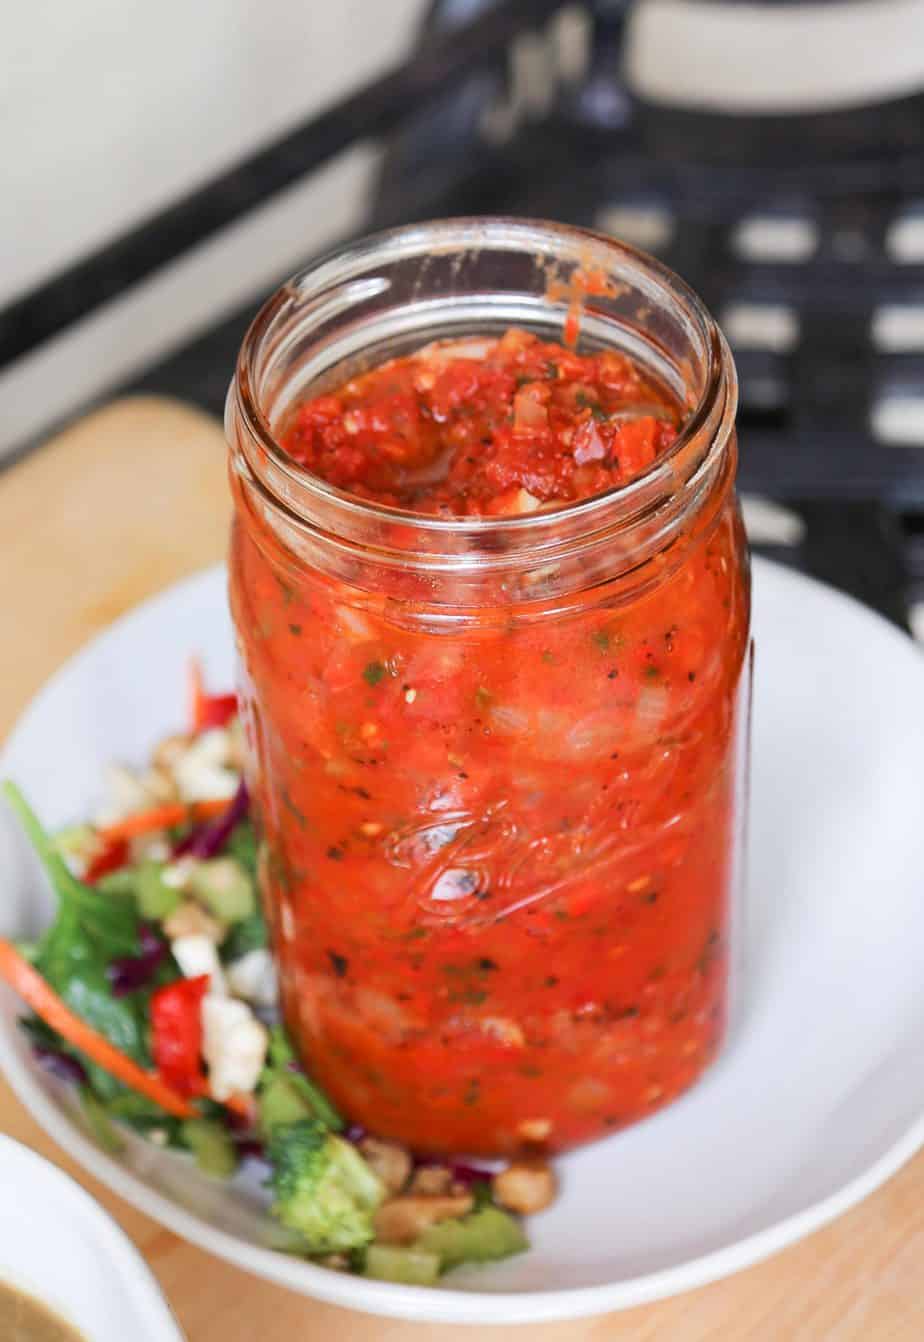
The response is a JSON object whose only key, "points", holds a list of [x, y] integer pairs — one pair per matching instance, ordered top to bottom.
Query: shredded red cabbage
{"points": [[208, 839], [128, 973], [60, 1064], [250, 1148], [464, 1173]]}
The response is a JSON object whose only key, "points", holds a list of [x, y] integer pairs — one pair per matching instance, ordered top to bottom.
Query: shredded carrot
{"points": [[196, 693], [162, 817], [28, 984], [243, 1105]]}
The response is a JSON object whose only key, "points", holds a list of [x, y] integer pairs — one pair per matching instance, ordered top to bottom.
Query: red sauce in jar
{"points": [[508, 427], [498, 862]]}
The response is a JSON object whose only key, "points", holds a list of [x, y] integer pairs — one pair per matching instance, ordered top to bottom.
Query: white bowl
{"points": [[820, 1094], [58, 1245]]}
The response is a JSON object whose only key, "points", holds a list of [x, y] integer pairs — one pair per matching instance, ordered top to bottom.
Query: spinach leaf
{"points": [[112, 924], [90, 930]]}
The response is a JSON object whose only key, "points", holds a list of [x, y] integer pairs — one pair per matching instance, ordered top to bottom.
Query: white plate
{"points": [[817, 1100], [58, 1245]]}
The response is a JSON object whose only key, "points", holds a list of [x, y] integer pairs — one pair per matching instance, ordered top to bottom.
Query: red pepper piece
{"points": [[207, 710], [110, 858], [176, 1030]]}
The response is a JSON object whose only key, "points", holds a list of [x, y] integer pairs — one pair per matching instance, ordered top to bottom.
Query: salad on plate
{"points": [[153, 992]]}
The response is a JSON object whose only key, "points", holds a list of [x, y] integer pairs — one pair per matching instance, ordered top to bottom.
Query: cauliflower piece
{"points": [[169, 750], [201, 772], [159, 783], [127, 795], [149, 848], [177, 875], [196, 955], [253, 977], [234, 1045]]}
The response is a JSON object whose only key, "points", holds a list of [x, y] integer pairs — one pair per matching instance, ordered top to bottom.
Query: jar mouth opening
{"points": [[544, 240]]}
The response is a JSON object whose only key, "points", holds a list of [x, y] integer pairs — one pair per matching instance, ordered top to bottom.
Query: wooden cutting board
{"points": [[117, 507]]}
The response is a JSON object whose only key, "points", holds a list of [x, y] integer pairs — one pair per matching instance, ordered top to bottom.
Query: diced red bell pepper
{"points": [[207, 710], [110, 858], [176, 1030]]}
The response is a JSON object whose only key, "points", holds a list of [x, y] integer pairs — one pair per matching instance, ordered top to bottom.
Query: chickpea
{"points": [[192, 920], [535, 1130], [391, 1162], [431, 1181], [525, 1186], [404, 1219]]}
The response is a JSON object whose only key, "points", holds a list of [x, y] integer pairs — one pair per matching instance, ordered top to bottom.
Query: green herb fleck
{"points": [[288, 592], [295, 629], [373, 673], [293, 810]]}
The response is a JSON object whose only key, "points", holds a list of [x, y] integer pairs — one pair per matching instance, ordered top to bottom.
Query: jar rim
{"points": [[503, 233]]}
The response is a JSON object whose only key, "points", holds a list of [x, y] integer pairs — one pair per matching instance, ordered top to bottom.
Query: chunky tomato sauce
{"points": [[508, 426], [498, 861]]}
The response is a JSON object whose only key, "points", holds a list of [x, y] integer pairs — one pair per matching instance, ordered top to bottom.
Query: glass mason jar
{"points": [[497, 763]]}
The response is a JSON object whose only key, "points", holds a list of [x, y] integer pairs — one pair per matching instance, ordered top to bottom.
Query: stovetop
{"points": [[803, 231]]}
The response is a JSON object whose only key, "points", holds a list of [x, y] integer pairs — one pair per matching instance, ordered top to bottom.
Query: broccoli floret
{"points": [[322, 1187]]}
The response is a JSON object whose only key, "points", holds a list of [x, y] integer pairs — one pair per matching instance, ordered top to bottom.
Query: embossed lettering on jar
{"points": [[498, 760]]}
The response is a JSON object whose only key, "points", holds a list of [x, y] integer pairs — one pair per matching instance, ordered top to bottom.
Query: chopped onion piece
{"points": [[529, 414], [587, 445]]}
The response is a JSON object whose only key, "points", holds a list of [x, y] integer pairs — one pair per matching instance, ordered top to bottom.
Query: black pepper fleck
{"points": [[340, 963]]}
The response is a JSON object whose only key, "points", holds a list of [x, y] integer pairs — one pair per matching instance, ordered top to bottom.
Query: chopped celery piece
{"points": [[75, 841], [120, 884], [225, 888], [155, 899], [282, 1061], [286, 1097], [281, 1102], [211, 1146], [479, 1238], [413, 1267]]}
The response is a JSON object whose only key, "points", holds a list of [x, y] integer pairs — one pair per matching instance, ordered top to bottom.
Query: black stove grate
{"points": [[805, 235]]}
